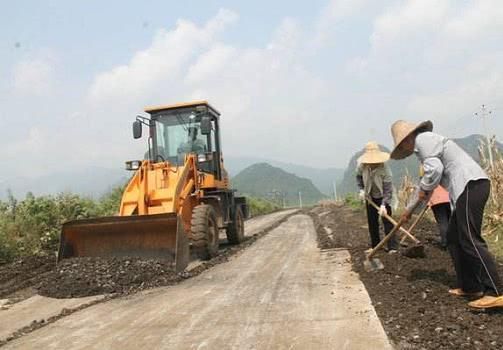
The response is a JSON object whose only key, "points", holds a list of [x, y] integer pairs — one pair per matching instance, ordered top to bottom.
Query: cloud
{"points": [[332, 13], [476, 19], [409, 20], [169, 52], [438, 58], [210, 63], [34, 77], [481, 83], [260, 90], [285, 98], [34, 141]]}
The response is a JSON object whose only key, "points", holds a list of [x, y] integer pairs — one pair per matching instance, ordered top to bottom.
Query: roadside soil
{"points": [[80, 277], [410, 295]]}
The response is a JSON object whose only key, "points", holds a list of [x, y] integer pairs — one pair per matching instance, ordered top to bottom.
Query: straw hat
{"points": [[400, 130], [372, 154]]}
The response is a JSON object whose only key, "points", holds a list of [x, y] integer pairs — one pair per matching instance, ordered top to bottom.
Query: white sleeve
{"points": [[433, 170]]}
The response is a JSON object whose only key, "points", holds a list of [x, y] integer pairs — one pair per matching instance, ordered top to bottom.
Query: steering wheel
{"points": [[159, 156]]}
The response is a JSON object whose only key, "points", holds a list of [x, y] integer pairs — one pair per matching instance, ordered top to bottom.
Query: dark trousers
{"points": [[442, 213], [373, 222], [475, 266]]}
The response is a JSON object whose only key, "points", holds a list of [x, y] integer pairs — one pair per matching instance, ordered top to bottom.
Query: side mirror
{"points": [[205, 125], [137, 129]]}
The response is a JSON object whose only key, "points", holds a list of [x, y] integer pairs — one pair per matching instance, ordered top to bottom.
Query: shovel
{"points": [[372, 264]]}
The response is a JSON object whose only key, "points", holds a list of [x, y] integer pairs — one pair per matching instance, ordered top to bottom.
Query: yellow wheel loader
{"points": [[176, 202]]}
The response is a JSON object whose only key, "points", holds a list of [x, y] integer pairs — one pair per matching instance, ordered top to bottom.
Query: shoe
{"points": [[392, 251], [461, 293], [487, 302]]}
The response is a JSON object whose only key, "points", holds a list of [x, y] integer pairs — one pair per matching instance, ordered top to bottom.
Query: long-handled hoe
{"points": [[414, 224], [415, 251]]}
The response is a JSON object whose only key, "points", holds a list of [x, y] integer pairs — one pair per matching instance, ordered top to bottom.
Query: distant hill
{"points": [[409, 165], [322, 178], [92, 181], [266, 181]]}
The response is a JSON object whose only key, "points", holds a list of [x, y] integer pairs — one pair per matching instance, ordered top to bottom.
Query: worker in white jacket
{"points": [[446, 164], [373, 178]]}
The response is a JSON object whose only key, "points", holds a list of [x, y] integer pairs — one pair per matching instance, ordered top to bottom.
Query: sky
{"points": [[302, 82]]}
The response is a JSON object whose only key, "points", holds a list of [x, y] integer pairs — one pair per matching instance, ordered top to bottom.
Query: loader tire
{"points": [[236, 230], [204, 232]]}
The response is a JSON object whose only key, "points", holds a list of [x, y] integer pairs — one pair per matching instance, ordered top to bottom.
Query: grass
{"points": [[495, 245]]}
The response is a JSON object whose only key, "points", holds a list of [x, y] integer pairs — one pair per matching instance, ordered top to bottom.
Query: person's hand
{"points": [[361, 195], [421, 195], [382, 210], [405, 216]]}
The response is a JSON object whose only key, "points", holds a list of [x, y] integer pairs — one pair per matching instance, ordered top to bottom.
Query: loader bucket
{"points": [[144, 236]]}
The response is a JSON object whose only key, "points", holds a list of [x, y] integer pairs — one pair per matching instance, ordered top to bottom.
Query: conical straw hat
{"points": [[400, 130], [372, 154]]}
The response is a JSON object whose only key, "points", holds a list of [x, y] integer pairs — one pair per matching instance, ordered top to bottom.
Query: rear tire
{"points": [[236, 230], [204, 232]]}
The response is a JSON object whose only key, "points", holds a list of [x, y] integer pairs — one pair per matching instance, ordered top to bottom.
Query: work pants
{"points": [[442, 213], [373, 223], [475, 267]]}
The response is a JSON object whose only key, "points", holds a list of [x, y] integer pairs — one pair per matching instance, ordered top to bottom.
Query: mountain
{"points": [[410, 165], [323, 179], [92, 181], [266, 181]]}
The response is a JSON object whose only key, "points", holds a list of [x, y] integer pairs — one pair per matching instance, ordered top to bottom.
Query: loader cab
{"points": [[178, 130]]}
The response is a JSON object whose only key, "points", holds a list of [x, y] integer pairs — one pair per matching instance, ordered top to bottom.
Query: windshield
{"points": [[179, 133]]}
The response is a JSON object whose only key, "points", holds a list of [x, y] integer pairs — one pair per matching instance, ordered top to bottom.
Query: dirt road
{"points": [[280, 293]]}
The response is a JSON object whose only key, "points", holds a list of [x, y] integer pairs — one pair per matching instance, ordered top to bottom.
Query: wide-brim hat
{"points": [[400, 130], [372, 154]]}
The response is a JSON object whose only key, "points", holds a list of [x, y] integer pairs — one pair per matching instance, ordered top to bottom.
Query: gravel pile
{"points": [[79, 277]]}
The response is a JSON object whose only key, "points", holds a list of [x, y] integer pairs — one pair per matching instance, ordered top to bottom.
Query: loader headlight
{"points": [[204, 157], [201, 158], [133, 164]]}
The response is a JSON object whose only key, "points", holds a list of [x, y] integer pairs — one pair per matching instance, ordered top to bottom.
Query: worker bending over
{"points": [[445, 163], [440, 205]]}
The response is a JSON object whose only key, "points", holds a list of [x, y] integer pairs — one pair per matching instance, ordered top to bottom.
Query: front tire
{"points": [[236, 230], [204, 232]]}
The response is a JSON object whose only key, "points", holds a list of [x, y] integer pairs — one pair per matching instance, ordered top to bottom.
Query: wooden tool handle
{"points": [[419, 217], [390, 219], [414, 224], [389, 235]]}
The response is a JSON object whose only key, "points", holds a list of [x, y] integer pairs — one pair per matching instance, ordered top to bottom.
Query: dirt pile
{"points": [[18, 277], [79, 277], [410, 295]]}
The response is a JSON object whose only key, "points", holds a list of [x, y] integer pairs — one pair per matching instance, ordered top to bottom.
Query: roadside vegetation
{"points": [[352, 200], [259, 206], [493, 215], [32, 226]]}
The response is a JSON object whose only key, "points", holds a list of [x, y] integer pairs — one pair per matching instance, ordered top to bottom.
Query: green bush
{"points": [[353, 201], [109, 204], [260, 206], [33, 225]]}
